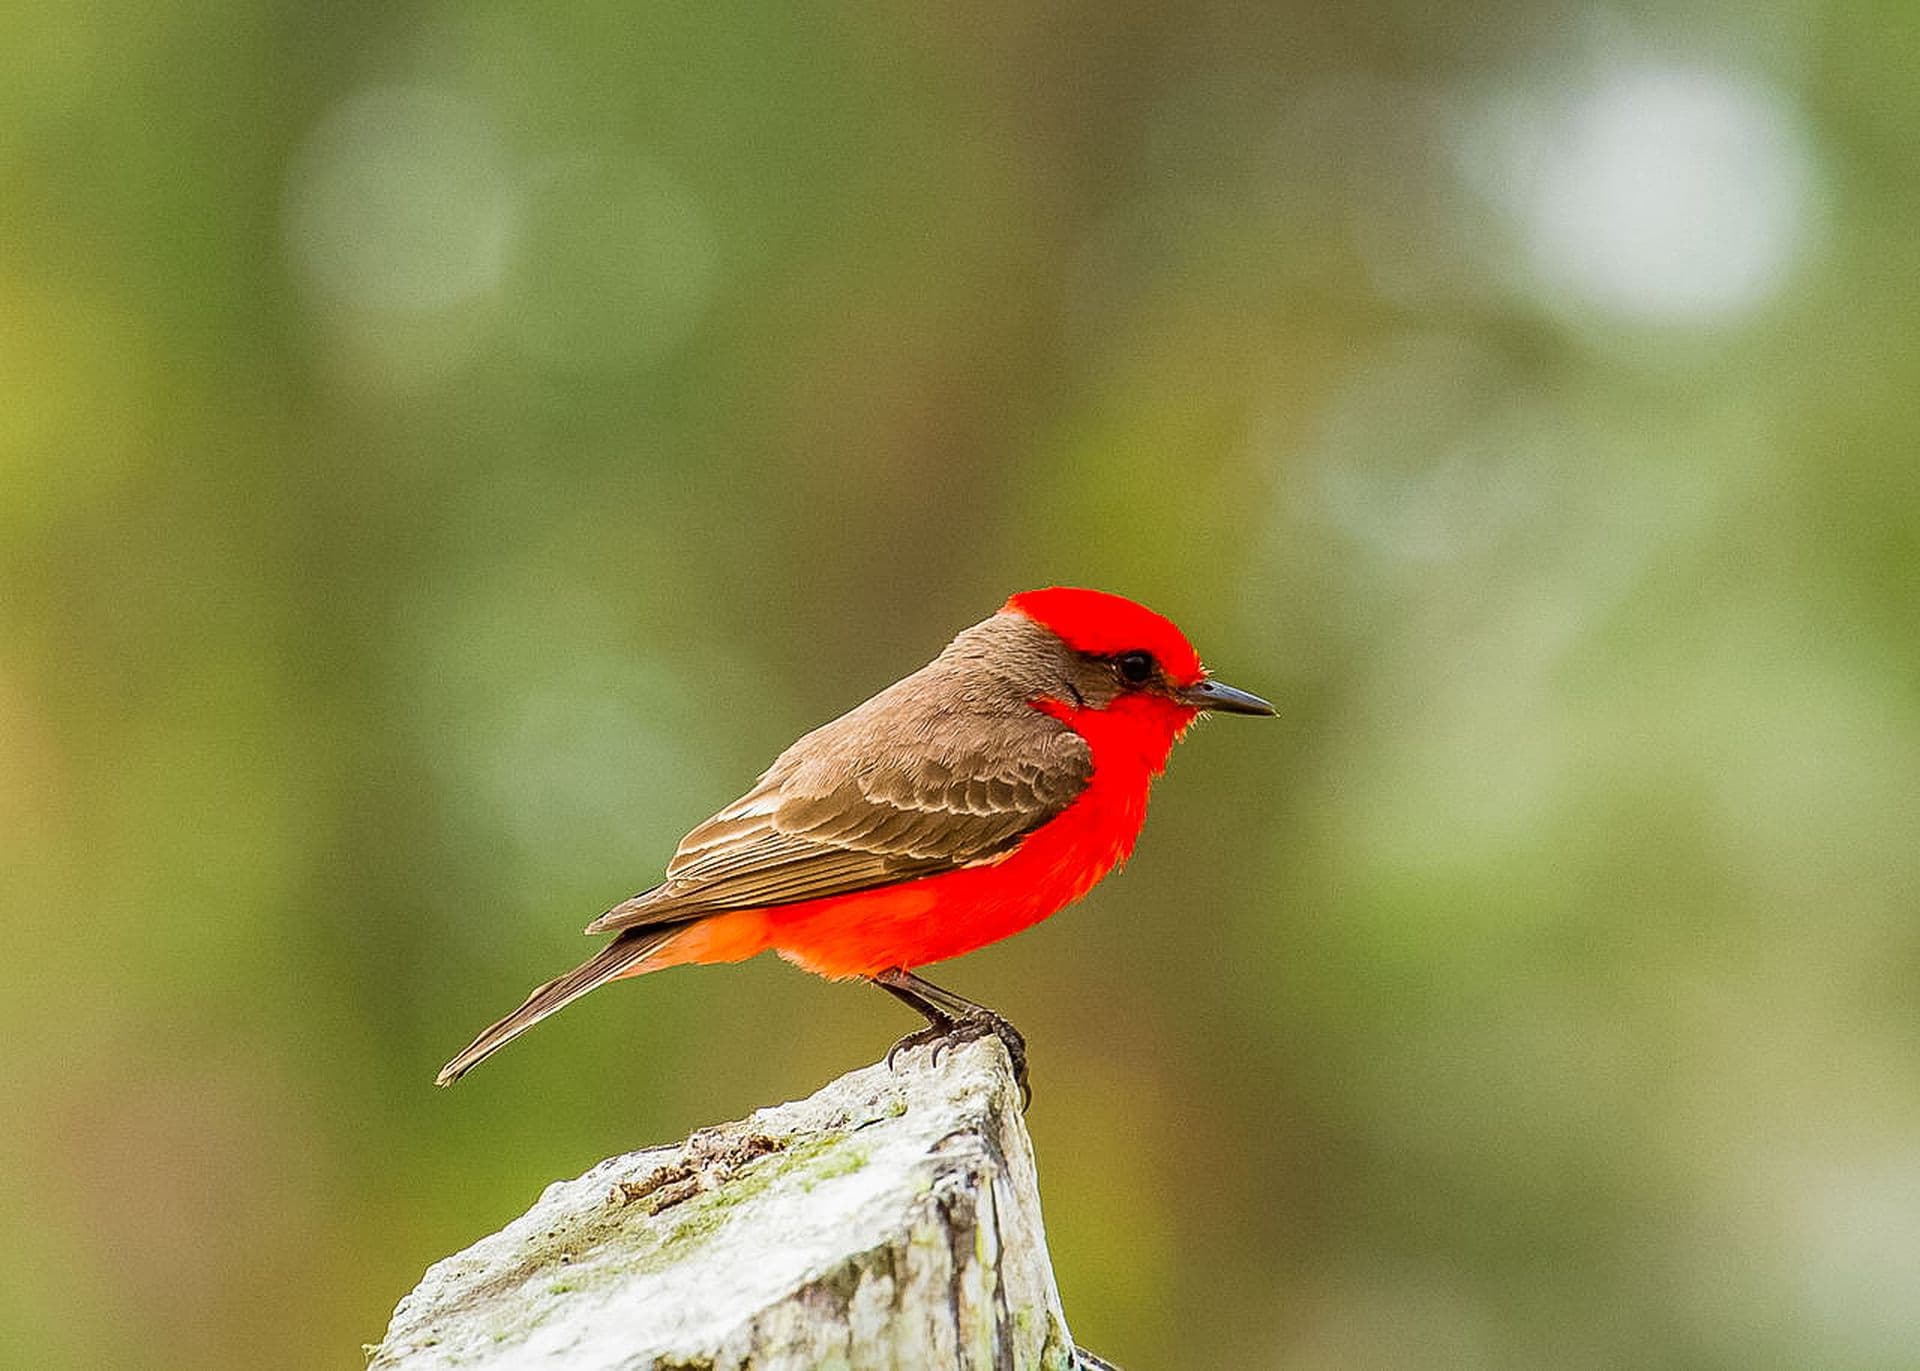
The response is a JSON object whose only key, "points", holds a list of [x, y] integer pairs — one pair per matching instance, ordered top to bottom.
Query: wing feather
{"points": [[851, 807]]}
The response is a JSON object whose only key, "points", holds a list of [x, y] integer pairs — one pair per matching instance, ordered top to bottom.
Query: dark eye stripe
{"points": [[1135, 668]]}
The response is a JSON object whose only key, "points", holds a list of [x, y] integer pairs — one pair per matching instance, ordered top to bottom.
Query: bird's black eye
{"points": [[1135, 668]]}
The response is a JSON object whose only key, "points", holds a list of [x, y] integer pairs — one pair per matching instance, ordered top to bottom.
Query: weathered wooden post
{"points": [[890, 1221]]}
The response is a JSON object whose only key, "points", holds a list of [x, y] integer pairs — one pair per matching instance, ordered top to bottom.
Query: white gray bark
{"points": [[890, 1221]]}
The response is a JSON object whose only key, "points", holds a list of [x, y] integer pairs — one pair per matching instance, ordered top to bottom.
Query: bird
{"points": [[961, 804]]}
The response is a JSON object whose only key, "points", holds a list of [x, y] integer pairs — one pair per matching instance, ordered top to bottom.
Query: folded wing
{"points": [[868, 802]]}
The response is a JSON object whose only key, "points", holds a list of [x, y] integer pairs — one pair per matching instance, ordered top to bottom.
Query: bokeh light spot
{"points": [[1666, 195], [400, 202]]}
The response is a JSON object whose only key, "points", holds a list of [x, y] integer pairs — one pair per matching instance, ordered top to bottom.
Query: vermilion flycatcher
{"points": [[988, 789]]}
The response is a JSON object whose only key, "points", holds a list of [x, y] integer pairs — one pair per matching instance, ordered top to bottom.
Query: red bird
{"points": [[990, 788]]}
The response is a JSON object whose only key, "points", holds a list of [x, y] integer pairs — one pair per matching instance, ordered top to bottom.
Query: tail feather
{"points": [[613, 959]]}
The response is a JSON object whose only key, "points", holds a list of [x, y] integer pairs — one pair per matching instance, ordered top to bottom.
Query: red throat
{"points": [[1132, 736]]}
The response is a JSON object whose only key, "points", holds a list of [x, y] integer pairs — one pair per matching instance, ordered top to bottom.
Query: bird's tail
{"points": [[616, 958]]}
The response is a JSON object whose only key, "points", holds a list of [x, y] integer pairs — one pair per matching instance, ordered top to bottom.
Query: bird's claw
{"points": [[970, 1027], [920, 1037]]}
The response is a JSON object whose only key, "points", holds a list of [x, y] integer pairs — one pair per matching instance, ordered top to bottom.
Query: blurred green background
{"points": [[447, 449]]}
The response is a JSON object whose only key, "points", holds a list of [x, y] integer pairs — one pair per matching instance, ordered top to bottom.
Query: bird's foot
{"points": [[975, 1024], [929, 1036]]}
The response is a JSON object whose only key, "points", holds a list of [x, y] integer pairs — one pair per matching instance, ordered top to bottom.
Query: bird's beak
{"points": [[1211, 694]]}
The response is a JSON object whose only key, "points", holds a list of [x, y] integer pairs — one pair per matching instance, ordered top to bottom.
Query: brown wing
{"points": [[900, 788]]}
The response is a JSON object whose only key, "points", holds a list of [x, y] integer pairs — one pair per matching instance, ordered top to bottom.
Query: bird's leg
{"points": [[951, 1018], [939, 1023]]}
